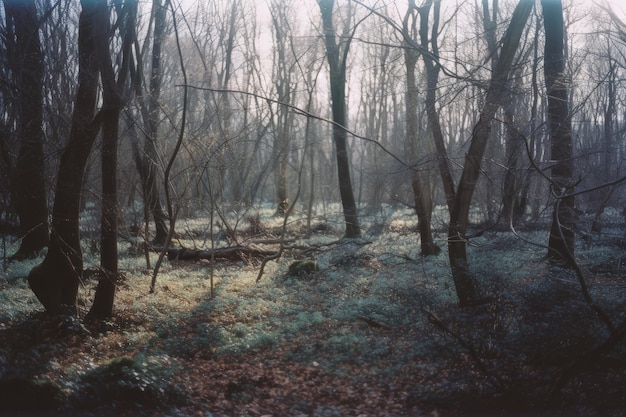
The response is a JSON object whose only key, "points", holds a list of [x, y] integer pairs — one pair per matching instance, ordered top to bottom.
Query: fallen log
{"points": [[233, 253]]}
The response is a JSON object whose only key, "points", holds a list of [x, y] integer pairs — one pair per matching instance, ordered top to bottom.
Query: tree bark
{"points": [[337, 63], [432, 79], [284, 90], [29, 184], [151, 190], [421, 192], [561, 242], [463, 280], [55, 281], [102, 306]]}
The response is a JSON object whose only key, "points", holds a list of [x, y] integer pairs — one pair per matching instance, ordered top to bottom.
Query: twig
{"points": [[373, 322]]}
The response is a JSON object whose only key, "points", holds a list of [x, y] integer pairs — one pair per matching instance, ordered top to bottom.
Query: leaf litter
{"points": [[351, 338]]}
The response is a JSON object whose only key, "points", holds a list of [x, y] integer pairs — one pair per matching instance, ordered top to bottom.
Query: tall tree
{"points": [[430, 54], [337, 55], [27, 68], [283, 82], [147, 161], [421, 190], [459, 216], [561, 242], [55, 281], [102, 306]]}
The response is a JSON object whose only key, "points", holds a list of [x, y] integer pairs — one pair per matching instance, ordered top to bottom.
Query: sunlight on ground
{"points": [[363, 314]]}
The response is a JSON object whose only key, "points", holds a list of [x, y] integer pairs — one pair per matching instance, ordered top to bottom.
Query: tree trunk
{"points": [[337, 64], [432, 79], [284, 90], [112, 104], [146, 159], [29, 184], [151, 191], [421, 192], [513, 202], [561, 242], [463, 280], [55, 281]]}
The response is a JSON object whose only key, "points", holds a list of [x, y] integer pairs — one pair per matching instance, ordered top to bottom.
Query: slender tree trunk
{"points": [[337, 64], [432, 79], [283, 88], [112, 104], [150, 166], [29, 185], [421, 192], [513, 206], [561, 242], [457, 245], [55, 281]]}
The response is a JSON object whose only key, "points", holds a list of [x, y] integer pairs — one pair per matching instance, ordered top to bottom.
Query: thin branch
{"points": [[305, 113], [170, 164]]}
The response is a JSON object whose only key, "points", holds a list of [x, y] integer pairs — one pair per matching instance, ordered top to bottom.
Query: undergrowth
{"points": [[364, 316]]}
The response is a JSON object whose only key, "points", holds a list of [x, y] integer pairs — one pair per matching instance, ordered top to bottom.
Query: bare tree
{"points": [[429, 48], [337, 55], [285, 90], [147, 161], [421, 190], [459, 215], [561, 242], [55, 281], [102, 306]]}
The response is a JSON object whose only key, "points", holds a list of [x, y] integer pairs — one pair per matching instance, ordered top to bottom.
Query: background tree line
{"points": [[503, 112]]}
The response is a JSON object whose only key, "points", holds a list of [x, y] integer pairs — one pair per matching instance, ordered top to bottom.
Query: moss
{"points": [[302, 268]]}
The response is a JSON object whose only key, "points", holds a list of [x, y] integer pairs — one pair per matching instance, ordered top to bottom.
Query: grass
{"points": [[354, 336]]}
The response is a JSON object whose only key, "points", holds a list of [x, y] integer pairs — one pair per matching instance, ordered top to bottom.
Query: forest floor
{"points": [[374, 331]]}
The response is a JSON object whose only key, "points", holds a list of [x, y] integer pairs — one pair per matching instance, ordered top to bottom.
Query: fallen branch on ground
{"points": [[234, 253]]}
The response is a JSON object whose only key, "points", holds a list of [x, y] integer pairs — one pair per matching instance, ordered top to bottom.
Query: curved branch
{"points": [[170, 164]]}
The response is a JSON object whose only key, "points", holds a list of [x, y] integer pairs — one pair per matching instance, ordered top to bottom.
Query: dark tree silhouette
{"points": [[337, 59], [27, 67], [112, 104], [146, 161], [421, 190], [459, 216], [561, 242], [55, 281]]}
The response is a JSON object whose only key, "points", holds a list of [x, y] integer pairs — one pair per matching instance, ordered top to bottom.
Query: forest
{"points": [[312, 208]]}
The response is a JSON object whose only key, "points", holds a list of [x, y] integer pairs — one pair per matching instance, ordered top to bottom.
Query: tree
{"points": [[430, 54], [337, 59], [27, 67], [284, 88], [111, 107], [147, 160], [421, 192], [459, 215], [561, 242], [55, 281]]}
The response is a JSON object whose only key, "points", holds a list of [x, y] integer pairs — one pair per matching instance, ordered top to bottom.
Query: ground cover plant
{"points": [[366, 327]]}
